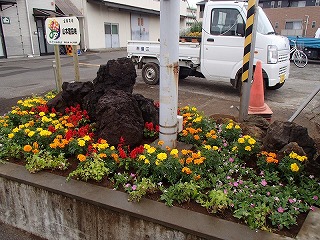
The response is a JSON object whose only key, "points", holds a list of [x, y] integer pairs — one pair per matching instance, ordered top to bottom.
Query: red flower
{"points": [[51, 129], [136, 151], [122, 153]]}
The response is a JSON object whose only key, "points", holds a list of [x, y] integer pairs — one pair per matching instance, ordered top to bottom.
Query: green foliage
{"points": [[196, 27], [44, 160], [93, 168], [142, 188], [180, 192], [214, 201]]}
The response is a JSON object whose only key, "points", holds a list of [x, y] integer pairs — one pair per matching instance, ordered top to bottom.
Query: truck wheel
{"points": [[150, 73], [275, 87]]}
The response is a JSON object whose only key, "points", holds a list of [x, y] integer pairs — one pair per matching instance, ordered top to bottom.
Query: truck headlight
{"points": [[272, 55]]}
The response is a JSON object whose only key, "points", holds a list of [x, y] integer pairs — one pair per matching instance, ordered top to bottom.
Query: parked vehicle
{"points": [[310, 46], [220, 52], [298, 57]]}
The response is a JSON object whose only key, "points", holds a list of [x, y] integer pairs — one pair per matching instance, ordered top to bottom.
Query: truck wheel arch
{"points": [[237, 82]]}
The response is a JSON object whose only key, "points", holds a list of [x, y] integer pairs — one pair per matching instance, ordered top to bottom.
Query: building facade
{"points": [[293, 18], [103, 24]]}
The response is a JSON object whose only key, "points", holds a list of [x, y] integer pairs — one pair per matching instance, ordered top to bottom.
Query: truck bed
{"points": [[306, 42], [188, 51]]}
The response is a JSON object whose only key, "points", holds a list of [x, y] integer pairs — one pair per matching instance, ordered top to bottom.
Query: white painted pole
{"points": [[169, 71]]}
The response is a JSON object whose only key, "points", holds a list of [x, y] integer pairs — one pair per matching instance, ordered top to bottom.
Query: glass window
{"points": [[317, 3], [272, 4], [279, 4], [226, 21], [276, 25], [296, 25], [313, 25], [264, 26], [107, 28], [114, 29]]}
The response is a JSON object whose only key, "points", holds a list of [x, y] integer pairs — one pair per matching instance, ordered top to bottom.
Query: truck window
{"points": [[226, 21], [264, 26]]}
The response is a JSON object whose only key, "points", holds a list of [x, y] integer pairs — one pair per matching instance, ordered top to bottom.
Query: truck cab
{"points": [[223, 45]]}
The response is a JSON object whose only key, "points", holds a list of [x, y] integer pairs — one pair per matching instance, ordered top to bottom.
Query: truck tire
{"points": [[150, 73], [275, 87]]}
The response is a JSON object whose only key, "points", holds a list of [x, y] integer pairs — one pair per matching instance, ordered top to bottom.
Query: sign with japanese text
{"points": [[62, 31]]}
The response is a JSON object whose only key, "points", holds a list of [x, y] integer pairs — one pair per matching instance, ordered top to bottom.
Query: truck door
{"points": [[223, 44]]}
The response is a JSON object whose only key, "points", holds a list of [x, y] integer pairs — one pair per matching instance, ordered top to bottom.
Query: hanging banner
{"points": [[62, 31]]}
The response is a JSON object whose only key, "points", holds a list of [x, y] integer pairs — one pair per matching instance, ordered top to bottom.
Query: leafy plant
{"points": [[44, 160], [142, 188], [214, 201]]}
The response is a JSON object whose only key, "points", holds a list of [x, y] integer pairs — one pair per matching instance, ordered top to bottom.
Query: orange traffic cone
{"points": [[256, 103]]}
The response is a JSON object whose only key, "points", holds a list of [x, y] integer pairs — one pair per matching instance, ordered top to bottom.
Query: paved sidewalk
{"points": [[8, 232]]}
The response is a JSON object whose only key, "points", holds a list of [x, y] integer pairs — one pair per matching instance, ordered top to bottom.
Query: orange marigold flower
{"points": [[196, 137], [27, 148], [35, 151], [273, 155], [81, 157], [115, 157], [189, 160], [181, 161], [186, 170], [197, 177]]}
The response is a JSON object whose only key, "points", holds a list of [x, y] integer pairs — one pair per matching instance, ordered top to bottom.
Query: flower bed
{"points": [[224, 171]]}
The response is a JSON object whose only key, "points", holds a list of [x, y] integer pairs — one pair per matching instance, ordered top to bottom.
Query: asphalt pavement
{"points": [[8, 232]]}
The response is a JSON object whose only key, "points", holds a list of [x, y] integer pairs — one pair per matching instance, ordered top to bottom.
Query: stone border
{"points": [[186, 221]]}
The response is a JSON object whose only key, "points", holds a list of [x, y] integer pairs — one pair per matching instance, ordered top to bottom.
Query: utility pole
{"points": [[169, 71]]}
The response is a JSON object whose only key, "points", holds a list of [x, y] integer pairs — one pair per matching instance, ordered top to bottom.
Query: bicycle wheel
{"points": [[300, 59]]}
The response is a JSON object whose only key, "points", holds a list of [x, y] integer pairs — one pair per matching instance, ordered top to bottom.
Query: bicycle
{"points": [[299, 58]]}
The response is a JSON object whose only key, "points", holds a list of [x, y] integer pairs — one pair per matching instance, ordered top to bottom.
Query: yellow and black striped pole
{"points": [[248, 55]]}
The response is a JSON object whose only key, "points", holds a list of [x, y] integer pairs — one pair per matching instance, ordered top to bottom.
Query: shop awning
{"points": [[4, 4], [44, 13]]}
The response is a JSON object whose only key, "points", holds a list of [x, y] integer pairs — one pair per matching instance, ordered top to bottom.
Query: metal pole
{"points": [[54, 66], [169, 71], [246, 83], [304, 104]]}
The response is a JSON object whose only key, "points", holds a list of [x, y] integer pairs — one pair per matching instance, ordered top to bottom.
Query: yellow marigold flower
{"points": [[194, 109], [13, 111], [31, 113], [41, 114], [52, 115], [198, 119], [21, 126], [229, 126], [237, 126], [39, 129], [15, 130], [26, 131], [45, 133], [10, 135], [246, 137], [87, 138], [241, 140], [251, 141], [81, 142], [160, 143], [146, 146], [208, 147], [27, 148], [112, 148], [215, 148], [235, 148], [247, 148], [151, 150], [184, 151], [174, 152], [293, 155], [162, 156], [81, 157], [142, 157], [302, 158], [146, 161], [157, 162], [294, 167], [186, 170]]}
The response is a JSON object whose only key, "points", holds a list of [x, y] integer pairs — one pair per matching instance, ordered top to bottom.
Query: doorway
{"points": [[139, 27], [111, 31], [2, 45], [44, 47]]}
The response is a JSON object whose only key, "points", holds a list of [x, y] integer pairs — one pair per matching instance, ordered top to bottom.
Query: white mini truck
{"points": [[220, 52]]}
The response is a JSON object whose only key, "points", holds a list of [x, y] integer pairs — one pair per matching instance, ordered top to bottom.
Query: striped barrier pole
{"points": [[248, 56]]}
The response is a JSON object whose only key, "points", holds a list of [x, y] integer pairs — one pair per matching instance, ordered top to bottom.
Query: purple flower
{"points": [[225, 144], [231, 159], [262, 173], [132, 175], [228, 177], [240, 182], [264, 182], [235, 184], [127, 185], [134, 187], [225, 191], [268, 193], [315, 198], [292, 200], [312, 208], [280, 210]]}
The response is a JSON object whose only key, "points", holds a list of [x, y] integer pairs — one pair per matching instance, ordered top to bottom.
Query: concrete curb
{"points": [[186, 221]]}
